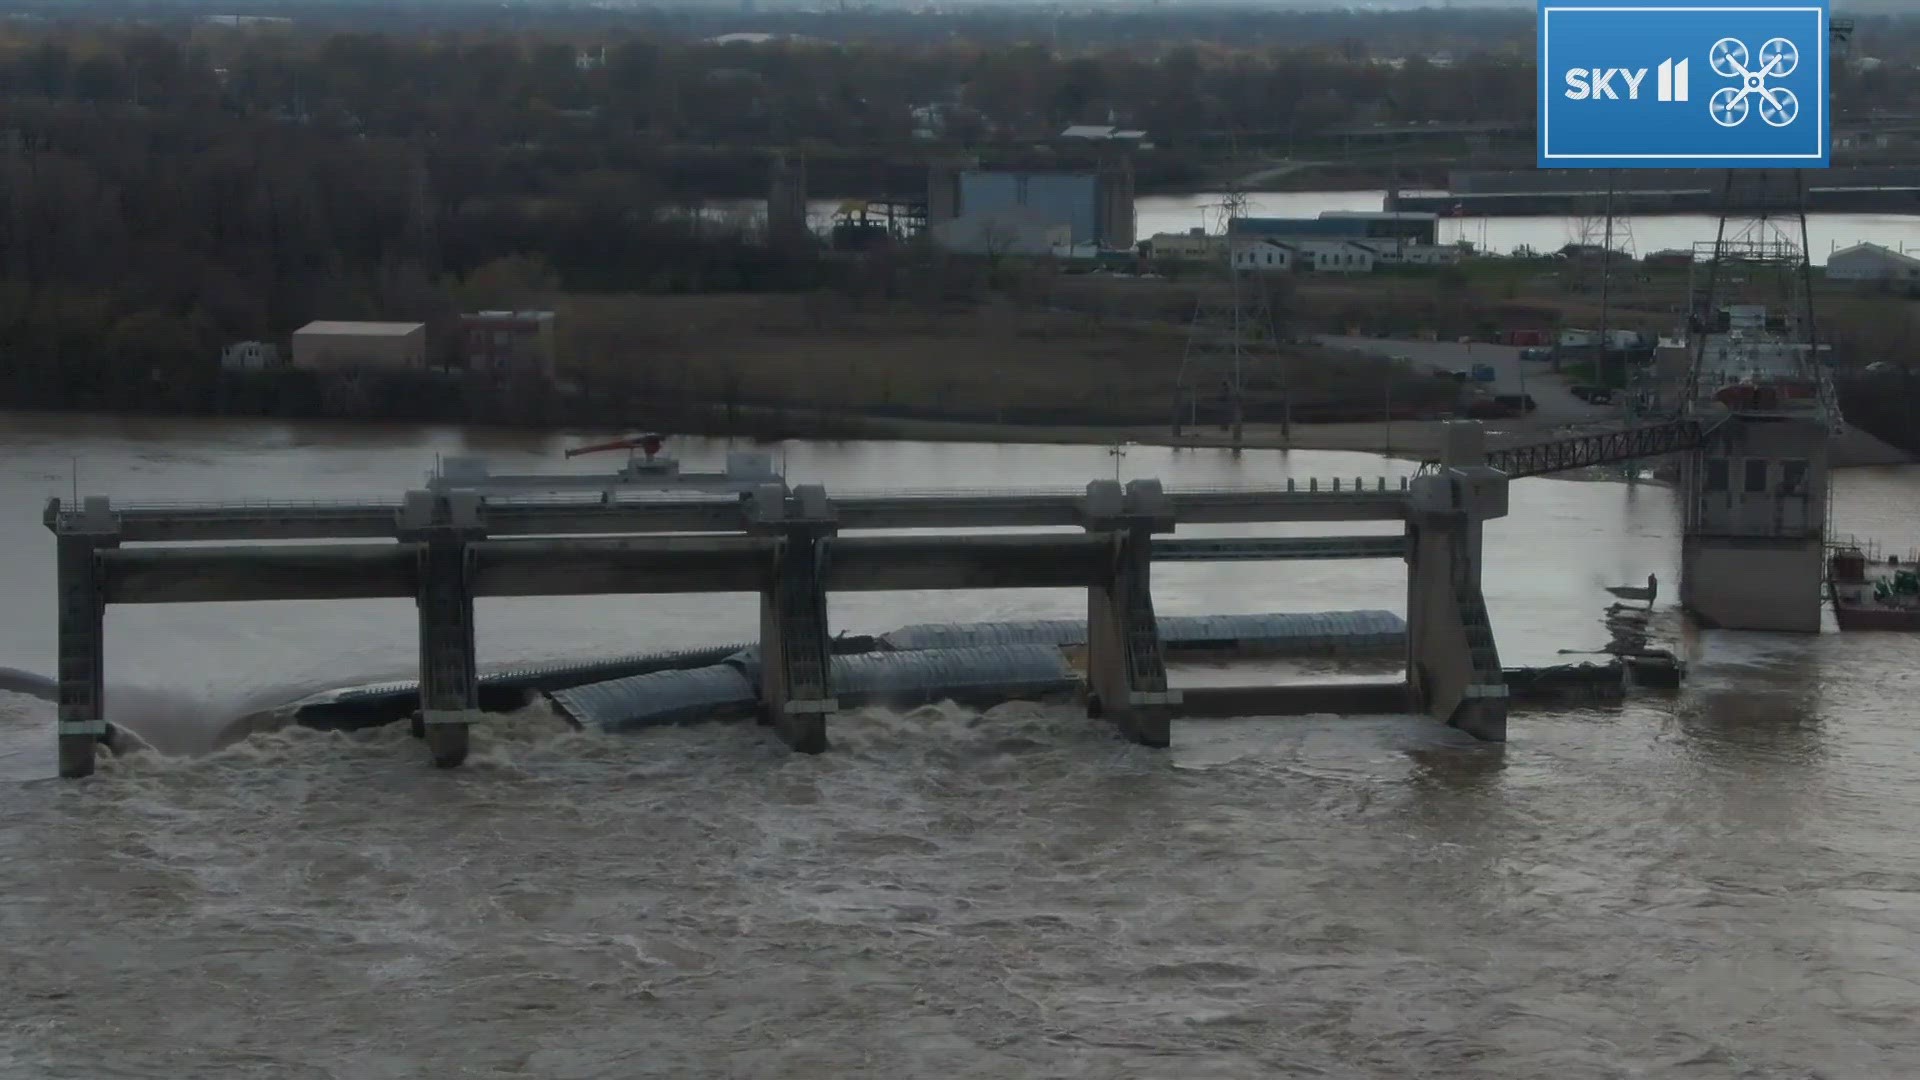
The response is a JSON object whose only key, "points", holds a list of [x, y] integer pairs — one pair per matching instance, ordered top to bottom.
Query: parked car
{"points": [[1536, 352], [1522, 402], [1491, 409]]}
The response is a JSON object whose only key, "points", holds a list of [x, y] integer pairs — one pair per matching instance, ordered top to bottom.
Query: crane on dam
{"points": [[646, 470]]}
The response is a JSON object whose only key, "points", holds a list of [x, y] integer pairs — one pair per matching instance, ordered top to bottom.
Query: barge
{"points": [[1869, 592]]}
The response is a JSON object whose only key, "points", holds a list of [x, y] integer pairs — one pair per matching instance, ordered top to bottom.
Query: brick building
{"points": [[508, 343]]}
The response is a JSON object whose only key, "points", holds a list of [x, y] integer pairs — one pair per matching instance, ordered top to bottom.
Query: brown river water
{"points": [[1722, 883]]}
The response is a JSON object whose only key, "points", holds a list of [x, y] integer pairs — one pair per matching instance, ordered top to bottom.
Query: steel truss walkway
{"points": [[1598, 448]]}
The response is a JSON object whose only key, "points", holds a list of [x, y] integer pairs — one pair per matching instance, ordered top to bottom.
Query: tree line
{"points": [[172, 185]]}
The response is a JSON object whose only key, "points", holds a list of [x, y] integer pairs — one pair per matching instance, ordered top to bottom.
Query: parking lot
{"points": [[1512, 375]]}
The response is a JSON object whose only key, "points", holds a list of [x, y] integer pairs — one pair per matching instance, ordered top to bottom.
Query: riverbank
{"points": [[1819, 200], [815, 364], [1408, 440], [1412, 440], [1415, 440]]}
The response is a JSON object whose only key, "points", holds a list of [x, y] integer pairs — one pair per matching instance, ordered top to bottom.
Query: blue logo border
{"points": [[1823, 130]]}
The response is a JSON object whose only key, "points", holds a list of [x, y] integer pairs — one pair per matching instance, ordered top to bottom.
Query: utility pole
{"points": [[1606, 280], [1230, 334], [1286, 386], [1389, 429]]}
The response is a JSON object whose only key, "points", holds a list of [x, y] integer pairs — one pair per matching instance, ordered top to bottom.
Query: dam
{"points": [[793, 548]]}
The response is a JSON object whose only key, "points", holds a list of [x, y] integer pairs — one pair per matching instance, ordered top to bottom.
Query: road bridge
{"points": [[793, 548]]}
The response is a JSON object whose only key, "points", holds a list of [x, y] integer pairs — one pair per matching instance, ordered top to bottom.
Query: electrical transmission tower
{"points": [[1585, 226], [1602, 232], [1761, 254], [1760, 258], [1616, 270], [1230, 345]]}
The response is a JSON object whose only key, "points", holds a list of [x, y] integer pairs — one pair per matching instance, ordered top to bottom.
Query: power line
{"points": [[1231, 336]]}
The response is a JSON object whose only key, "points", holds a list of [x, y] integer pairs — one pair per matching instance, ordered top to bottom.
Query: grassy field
{"points": [[1482, 296], [822, 350], [1097, 358], [982, 361]]}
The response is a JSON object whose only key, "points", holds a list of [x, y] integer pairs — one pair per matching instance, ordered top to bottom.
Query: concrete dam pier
{"points": [[794, 548], [1753, 550]]}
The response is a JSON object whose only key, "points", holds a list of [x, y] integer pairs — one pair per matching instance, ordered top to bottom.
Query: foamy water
{"points": [[1722, 884], [957, 893]]}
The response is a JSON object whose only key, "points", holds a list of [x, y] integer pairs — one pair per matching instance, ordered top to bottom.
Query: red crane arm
{"points": [[648, 443]]}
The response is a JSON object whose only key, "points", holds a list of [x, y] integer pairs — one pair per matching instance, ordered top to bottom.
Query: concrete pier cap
{"points": [[1463, 443], [1465, 482], [1105, 501], [1147, 503], [1141, 504], [804, 509], [421, 512], [96, 516]]}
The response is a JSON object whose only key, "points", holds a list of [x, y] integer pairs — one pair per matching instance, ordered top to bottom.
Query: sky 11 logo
{"points": [[1670, 82], [1683, 84]]}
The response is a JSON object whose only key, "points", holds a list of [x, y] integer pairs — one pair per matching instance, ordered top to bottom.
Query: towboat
{"points": [[1873, 593]]}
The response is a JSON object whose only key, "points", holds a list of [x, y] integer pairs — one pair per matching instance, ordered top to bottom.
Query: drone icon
{"points": [[1778, 105]]}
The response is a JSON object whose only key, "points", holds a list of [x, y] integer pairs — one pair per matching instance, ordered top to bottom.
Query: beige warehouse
{"points": [[326, 344]]}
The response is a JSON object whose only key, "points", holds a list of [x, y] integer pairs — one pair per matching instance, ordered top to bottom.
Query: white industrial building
{"points": [[1103, 132], [1013, 230], [1262, 253], [1396, 253], [1322, 254], [1319, 256], [1334, 257], [1873, 262]]}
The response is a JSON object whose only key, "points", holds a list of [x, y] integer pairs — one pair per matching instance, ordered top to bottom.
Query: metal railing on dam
{"points": [[149, 522]]}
